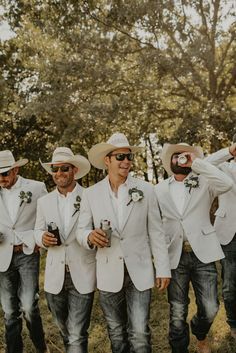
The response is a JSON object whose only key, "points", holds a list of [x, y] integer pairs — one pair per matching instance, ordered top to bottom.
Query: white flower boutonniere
{"points": [[191, 182], [135, 195], [25, 197], [77, 204]]}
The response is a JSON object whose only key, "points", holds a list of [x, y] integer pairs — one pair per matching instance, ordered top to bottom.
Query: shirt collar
{"points": [[69, 193]]}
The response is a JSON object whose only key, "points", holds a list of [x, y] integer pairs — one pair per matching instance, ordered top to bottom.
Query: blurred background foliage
{"points": [[75, 71]]}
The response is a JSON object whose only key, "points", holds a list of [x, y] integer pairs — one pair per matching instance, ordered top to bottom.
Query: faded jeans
{"points": [[204, 281], [229, 281], [19, 294], [71, 312], [127, 314]]}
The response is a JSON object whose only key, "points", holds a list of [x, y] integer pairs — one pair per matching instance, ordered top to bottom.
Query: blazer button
{"points": [[13, 228], [180, 236], [121, 238], [120, 258]]}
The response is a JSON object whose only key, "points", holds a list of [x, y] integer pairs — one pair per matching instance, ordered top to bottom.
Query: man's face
{"points": [[119, 168], [176, 168], [63, 174], [7, 181]]}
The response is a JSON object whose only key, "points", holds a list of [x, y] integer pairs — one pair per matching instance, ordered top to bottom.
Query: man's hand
{"points": [[232, 149], [98, 238], [48, 239], [162, 283]]}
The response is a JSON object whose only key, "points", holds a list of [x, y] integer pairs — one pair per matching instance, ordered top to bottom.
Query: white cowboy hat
{"points": [[169, 149], [99, 151], [65, 155], [7, 161]]}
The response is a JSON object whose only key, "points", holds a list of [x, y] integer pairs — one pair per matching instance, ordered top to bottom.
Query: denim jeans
{"points": [[204, 281], [229, 281], [19, 294], [71, 312], [127, 314]]}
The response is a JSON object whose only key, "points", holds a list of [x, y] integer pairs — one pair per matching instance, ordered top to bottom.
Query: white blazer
{"points": [[225, 221], [194, 222], [23, 226], [140, 243], [81, 262]]}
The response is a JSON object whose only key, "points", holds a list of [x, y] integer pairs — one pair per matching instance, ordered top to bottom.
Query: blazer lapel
{"points": [[22, 203], [129, 205], [108, 206], [54, 212], [76, 215], [5, 217]]}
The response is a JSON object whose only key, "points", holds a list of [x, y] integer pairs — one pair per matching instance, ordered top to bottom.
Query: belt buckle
{"points": [[187, 247], [18, 249]]}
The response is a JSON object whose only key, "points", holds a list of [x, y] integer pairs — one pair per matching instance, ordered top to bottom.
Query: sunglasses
{"points": [[122, 156], [62, 168], [5, 174]]}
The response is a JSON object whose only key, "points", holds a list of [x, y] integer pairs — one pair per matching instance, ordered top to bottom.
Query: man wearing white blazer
{"points": [[185, 199], [225, 225], [136, 256], [19, 257], [70, 269]]}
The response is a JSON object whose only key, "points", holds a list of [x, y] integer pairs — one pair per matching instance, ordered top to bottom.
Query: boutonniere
{"points": [[191, 182], [135, 195], [25, 197], [77, 204]]}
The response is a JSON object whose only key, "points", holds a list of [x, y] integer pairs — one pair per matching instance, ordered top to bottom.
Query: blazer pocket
{"points": [[220, 213], [208, 230]]}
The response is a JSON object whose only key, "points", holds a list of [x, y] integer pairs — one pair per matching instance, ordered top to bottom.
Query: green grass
{"points": [[98, 340]]}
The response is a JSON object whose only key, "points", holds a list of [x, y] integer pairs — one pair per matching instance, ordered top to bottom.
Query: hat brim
{"points": [[169, 149], [99, 151], [78, 161], [18, 163]]}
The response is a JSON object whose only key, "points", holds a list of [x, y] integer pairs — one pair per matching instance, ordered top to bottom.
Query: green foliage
{"points": [[77, 71]]}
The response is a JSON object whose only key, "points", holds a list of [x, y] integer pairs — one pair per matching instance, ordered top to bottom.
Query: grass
{"points": [[99, 342]]}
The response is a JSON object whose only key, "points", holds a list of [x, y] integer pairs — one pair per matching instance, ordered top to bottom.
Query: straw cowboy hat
{"points": [[169, 149], [99, 151], [65, 155], [7, 161]]}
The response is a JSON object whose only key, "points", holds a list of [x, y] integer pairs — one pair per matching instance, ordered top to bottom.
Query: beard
{"points": [[176, 169]]}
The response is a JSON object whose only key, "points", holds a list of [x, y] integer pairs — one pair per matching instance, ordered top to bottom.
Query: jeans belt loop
{"points": [[187, 247]]}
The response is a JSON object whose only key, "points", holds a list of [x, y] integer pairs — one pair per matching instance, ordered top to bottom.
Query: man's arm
{"points": [[158, 243]]}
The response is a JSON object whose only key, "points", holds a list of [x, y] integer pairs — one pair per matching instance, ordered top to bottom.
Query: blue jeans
{"points": [[204, 280], [229, 281], [19, 294], [71, 312], [127, 314]]}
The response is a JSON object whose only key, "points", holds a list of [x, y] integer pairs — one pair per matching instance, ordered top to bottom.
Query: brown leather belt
{"points": [[187, 247], [18, 248], [67, 269]]}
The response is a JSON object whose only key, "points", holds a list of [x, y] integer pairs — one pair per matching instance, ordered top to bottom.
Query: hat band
{"points": [[6, 166]]}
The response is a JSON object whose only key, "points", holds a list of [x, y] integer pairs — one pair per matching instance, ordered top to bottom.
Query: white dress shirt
{"points": [[178, 192], [120, 200], [12, 202], [66, 207]]}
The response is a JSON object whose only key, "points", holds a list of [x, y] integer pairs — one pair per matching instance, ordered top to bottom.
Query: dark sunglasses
{"points": [[122, 156], [62, 168], [5, 174]]}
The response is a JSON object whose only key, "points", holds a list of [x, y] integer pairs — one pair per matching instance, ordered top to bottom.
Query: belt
{"points": [[187, 247], [17, 249], [67, 268]]}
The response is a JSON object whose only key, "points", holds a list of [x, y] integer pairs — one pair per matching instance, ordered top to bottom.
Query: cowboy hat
{"points": [[169, 149], [99, 151], [65, 155], [7, 161]]}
